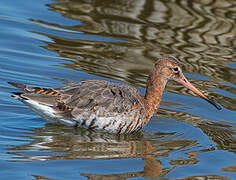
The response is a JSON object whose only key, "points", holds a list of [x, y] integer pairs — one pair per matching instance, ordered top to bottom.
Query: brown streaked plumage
{"points": [[103, 105]]}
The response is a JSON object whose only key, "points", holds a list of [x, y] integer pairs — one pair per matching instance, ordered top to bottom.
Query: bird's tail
{"points": [[18, 85]]}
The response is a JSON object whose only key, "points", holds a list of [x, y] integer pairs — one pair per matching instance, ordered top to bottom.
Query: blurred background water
{"points": [[51, 42]]}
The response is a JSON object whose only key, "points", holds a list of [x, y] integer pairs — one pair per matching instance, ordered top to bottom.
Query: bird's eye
{"points": [[176, 69]]}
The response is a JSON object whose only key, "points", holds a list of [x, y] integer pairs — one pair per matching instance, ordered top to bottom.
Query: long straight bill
{"points": [[188, 85]]}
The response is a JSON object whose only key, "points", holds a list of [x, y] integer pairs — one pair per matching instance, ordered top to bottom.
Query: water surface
{"points": [[49, 43]]}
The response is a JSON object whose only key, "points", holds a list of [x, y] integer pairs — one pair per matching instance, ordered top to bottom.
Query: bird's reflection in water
{"points": [[57, 142], [152, 168]]}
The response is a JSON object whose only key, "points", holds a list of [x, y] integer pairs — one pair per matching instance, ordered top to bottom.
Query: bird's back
{"points": [[104, 105]]}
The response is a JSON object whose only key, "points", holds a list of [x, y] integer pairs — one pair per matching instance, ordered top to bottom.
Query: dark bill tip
{"points": [[214, 103]]}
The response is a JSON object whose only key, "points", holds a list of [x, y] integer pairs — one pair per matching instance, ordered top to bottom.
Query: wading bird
{"points": [[103, 105]]}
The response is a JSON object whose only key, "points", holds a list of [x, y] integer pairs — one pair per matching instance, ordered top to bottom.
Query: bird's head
{"points": [[169, 68]]}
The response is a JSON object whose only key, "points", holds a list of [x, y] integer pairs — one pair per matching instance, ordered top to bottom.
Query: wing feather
{"points": [[99, 95]]}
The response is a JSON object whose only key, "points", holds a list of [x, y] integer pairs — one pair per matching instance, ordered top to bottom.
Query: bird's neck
{"points": [[154, 91]]}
